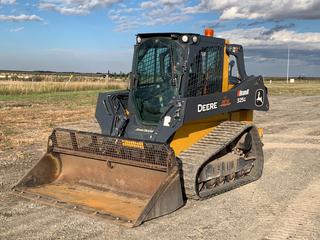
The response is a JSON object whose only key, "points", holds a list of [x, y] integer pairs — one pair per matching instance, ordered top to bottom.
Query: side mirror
{"points": [[231, 65]]}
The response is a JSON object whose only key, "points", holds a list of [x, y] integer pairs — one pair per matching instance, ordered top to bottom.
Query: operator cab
{"points": [[168, 65], [171, 65], [158, 70]]}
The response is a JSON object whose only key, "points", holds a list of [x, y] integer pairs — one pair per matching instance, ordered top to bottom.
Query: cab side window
{"points": [[205, 73]]}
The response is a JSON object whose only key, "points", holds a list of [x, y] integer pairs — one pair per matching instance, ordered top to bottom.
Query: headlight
{"points": [[185, 38], [139, 39], [194, 39]]}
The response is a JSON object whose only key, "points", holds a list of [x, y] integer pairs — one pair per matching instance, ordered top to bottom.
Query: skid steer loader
{"points": [[183, 130]]}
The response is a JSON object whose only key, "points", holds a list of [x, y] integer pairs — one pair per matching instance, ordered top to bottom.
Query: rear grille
{"points": [[113, 150]]}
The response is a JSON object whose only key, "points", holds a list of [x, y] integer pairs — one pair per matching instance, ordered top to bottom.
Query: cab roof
{"points": [[178, 35]]}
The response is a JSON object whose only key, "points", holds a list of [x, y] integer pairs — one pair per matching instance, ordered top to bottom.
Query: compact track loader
{"points": [[183, 130]]}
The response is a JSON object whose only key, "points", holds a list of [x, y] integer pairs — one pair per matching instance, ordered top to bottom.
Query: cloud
{"points": [[7, 1], [74, 7], [263, 9], [148, 13], [151, 13], [20, 18], [255, 23], [215, 24], [278, 28], [17, 29], [277, 37], [266, 49], [273, 55], [273, 62]]}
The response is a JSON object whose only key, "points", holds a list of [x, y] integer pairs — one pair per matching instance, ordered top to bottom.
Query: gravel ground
{"points": [[283, 204]]}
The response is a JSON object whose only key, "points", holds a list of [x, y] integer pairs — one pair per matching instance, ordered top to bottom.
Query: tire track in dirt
{"points": [[298, 123], [291, 136], [280, 145], [283, 184], [302, 218], [32, 221]]}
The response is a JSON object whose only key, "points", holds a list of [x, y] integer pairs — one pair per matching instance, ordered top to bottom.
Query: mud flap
{"points": [[124, 180]]}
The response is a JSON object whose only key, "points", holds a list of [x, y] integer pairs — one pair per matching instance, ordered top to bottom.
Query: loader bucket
{"points": [[124, 180]]}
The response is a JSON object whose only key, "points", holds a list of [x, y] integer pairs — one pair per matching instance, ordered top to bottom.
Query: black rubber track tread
{"points": [[202, 152]]}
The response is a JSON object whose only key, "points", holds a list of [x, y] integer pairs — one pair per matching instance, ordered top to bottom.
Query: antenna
{"points": [[288, 64]]}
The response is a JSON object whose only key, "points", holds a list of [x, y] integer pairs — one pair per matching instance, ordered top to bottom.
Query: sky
{"points": [[98, 35]]}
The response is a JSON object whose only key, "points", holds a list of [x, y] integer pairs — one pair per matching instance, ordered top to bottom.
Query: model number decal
{"points": [[241, 99], [207, 107]]}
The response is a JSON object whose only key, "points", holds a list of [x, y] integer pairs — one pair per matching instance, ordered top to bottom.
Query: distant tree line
{"points": [[97, 74], [117, 75], [38, 76], [295, 77]]}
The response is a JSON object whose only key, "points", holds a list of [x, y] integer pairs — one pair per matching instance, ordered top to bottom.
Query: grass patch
{"points": [[27, 88], [309, 88], [82, 98], [21, 114], [29, 119], [5, 130]]}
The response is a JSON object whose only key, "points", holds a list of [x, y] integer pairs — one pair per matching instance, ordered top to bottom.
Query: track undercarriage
{"points": [[228, 157]]}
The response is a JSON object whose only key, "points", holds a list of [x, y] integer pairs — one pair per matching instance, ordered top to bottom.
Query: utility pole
{"points": [[288, 64]]}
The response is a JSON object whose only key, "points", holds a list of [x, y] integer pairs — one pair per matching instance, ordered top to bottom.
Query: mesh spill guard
{"points": [[131, 152]]}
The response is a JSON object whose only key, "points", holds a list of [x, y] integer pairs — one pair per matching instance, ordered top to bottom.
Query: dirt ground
{"points": [[283, 204]]}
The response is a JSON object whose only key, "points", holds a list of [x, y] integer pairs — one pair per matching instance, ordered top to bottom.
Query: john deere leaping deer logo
{"points": [[259, 97]]}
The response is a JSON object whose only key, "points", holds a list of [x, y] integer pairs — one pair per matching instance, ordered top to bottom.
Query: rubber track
{"points": [[199, 153]]}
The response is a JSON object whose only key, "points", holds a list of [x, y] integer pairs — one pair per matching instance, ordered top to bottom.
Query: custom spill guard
{"points": [[124, 180]]}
